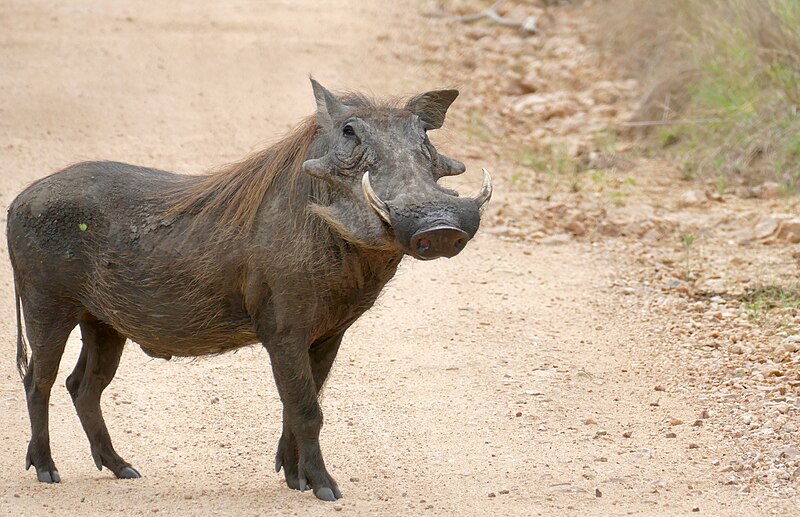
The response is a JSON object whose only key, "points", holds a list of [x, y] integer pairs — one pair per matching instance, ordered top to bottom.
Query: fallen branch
{"points": [[527, 25], [648, 123]]}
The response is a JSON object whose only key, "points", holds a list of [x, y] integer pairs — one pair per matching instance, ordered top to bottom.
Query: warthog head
{"points": [[384, 171]]}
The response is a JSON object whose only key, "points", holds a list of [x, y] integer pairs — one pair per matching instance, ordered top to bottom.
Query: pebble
{"points": [[558, 239], [747, 419], [675, 421], [601, 432], [627, 434], [672, 435], [789, 452], [492, 494], [337, 507]]}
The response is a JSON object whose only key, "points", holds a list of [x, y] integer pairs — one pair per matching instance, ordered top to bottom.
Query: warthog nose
{"points": [[442, 241]]}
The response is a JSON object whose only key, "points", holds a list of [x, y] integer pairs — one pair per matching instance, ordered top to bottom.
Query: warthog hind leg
{"points": [[48, 327], [97, 364]]}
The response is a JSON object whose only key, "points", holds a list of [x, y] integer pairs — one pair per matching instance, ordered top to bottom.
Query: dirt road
{"points": [[510, 380]]}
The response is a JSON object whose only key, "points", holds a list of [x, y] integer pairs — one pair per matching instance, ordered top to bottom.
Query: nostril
{"points": [[459, 244], [423, 245]]}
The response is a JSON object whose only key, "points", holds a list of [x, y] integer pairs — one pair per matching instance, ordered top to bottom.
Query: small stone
{"points": [[769, 190], [691, 198], [576, 227], [765, 227], [790, 230], [556, 240], [659, 388], [214, 400], [654, 403], [519, 413], [704, 414], [747, 419], [589, 421], [675, 421], [601, 432], [627, 434], [672, 435], [694, 446], [789, 452], [354, 480], [503, 492], [598, 493], [492, 494], [188, 497], [337, 507], [696, 509]]}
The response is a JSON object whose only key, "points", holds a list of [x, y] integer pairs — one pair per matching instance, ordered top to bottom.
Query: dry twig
{"points": [[527, 25]]}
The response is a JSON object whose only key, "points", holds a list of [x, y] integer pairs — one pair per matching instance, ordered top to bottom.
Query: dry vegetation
{"points": [[724, 79]]}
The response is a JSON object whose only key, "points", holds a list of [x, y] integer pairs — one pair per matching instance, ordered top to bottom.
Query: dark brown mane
{"points": [[234, 193]]}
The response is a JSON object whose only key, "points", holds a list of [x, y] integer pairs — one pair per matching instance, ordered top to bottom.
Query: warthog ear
{"points": [[328, 106], [431, 107]]}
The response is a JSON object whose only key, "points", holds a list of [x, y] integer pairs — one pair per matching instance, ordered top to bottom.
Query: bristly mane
{"points": [[233, 194]]}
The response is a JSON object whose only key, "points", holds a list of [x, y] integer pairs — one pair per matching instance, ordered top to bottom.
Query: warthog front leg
{"points": [[321, 355], [294, 377]]}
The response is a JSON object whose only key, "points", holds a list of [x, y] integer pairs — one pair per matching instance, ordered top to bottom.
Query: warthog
{"points": [[287, 248]]}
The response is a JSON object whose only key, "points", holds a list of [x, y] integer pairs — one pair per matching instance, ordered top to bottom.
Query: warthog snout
{"points": [[442, 241]]}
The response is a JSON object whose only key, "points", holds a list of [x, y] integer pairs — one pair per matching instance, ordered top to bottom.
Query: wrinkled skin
{"points": [[99, 245]]}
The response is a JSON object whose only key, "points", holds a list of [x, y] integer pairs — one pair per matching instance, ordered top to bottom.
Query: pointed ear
{"points": [[328, 106], [431, 107]]}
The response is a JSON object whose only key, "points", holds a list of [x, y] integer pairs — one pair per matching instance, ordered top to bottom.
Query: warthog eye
{"points": [[348, 130]]}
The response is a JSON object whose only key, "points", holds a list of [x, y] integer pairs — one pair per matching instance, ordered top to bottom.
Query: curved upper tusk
{"points": [[483, 197], [374, 201]]}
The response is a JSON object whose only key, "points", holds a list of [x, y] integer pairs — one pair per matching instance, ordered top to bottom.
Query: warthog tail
{"points": [[22, 346]]}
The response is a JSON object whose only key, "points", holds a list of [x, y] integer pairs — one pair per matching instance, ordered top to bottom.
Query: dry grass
{"points": [[727, 71]]}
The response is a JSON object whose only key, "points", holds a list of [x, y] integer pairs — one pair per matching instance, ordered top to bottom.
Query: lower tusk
{"points": [[483, 197], [374, 201]]}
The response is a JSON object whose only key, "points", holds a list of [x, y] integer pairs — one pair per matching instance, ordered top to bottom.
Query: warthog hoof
{"points": [[46, 473], [129, 473], [48, 476], [318, 480]]}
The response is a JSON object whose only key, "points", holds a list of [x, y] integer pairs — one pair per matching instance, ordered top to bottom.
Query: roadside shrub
{"points": [[723, 81]]}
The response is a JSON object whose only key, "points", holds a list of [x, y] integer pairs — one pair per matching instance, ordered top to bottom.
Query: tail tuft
{"points": [[22, 346]]}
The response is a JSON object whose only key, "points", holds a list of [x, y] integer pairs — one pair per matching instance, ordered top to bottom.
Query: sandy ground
{"points": [[499, 382]]}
